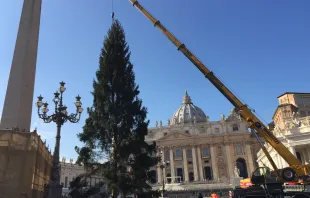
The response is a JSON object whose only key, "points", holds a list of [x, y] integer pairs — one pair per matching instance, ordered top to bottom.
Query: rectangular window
{"points": [[306, 101], [302, 114], [235, 127], [217, 130], [239, 150], [206, 152], [178, 153], [189, 154], [66, 182]]}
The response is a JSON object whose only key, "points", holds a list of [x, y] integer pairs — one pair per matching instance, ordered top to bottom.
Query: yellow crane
{"points": [[295, 170]]}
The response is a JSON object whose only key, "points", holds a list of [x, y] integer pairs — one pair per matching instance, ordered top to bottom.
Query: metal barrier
{"points": [[297, 188]]}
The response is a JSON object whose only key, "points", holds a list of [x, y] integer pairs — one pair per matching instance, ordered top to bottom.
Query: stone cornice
{"points": [[217, 144], [205, 145]]}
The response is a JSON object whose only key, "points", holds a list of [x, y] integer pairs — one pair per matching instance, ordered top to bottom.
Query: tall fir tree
{"points": [[117, 122]]}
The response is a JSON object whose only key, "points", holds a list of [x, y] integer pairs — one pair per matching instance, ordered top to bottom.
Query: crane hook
{"points": [[112, 10]]}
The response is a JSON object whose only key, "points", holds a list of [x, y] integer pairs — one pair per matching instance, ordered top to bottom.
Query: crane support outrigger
{"points": [[295, 170]]}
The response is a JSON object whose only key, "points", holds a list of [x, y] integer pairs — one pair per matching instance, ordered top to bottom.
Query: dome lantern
{"points": [[188, 112]]}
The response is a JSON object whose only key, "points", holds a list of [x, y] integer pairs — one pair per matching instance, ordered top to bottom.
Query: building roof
{"points": [[299, 93], [188, 112]]}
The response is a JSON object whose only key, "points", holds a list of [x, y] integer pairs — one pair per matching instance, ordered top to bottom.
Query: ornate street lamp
{"points": [[60, 116], [163, 164]]}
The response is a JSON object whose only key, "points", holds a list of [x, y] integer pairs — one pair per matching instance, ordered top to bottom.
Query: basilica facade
{"points": [[195, 149]]}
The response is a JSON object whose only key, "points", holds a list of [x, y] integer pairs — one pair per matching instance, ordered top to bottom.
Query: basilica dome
{"points": [[188, 112]]}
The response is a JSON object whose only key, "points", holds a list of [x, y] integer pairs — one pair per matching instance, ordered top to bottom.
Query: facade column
{"points": [[292, 149], [308, 153], [305, 154], [250, 158], [163, 160], [303, 160], [278, 161], [229, 162], [194, 163], [213, 163], [200, 164], [285, 164], [185, 165], [172, 169], [159, 179]]}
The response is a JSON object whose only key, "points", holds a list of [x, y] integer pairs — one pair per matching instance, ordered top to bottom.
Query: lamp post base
{"points": [[53, 191]]}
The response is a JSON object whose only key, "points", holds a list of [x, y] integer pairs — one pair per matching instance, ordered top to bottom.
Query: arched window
{"points": [[235, 127], [238, 149], [206, 152], [178, 153], [241, 166]]}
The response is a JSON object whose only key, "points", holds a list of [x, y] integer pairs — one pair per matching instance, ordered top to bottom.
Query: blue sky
{"points": [[259, 48]]}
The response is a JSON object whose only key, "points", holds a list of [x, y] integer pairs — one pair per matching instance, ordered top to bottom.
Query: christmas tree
{"points": [[117, 125]]}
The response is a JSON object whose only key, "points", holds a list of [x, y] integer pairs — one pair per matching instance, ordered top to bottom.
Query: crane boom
{"points": [[242, 109]]}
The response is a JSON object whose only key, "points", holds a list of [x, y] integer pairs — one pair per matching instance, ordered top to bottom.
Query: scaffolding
{"points": [[25, 164]]}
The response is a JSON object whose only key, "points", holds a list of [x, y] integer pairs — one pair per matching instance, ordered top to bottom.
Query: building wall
{"points": [[291, 105], [296, 137], [25, 164], [70, 170]]}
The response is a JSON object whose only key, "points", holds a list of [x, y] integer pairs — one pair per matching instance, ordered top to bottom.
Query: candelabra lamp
{"points": [[60, 116]]}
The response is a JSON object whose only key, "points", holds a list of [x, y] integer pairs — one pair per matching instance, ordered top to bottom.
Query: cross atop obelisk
{"points": [[17, 107]]}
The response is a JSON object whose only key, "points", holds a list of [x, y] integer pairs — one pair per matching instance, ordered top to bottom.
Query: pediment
{"points": [[233, 117], [175, 135]]}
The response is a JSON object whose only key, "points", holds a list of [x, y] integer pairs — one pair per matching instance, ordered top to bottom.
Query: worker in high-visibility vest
{"points": [[214, 195]]}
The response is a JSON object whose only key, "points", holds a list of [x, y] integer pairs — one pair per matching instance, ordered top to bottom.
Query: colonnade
{"points": [[301, 152], [304, 154], [199, 162]]}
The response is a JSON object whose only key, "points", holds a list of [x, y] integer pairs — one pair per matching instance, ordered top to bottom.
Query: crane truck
{"points": [[265, 183]]}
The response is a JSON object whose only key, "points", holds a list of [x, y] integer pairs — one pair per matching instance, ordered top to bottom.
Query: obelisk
{"points": [[18, 101]]}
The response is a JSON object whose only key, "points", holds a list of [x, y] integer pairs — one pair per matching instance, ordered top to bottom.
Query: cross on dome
{"points": [[187, 99]]}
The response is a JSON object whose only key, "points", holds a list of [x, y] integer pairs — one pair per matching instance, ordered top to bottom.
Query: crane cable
{"points": [[112, 11]]}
